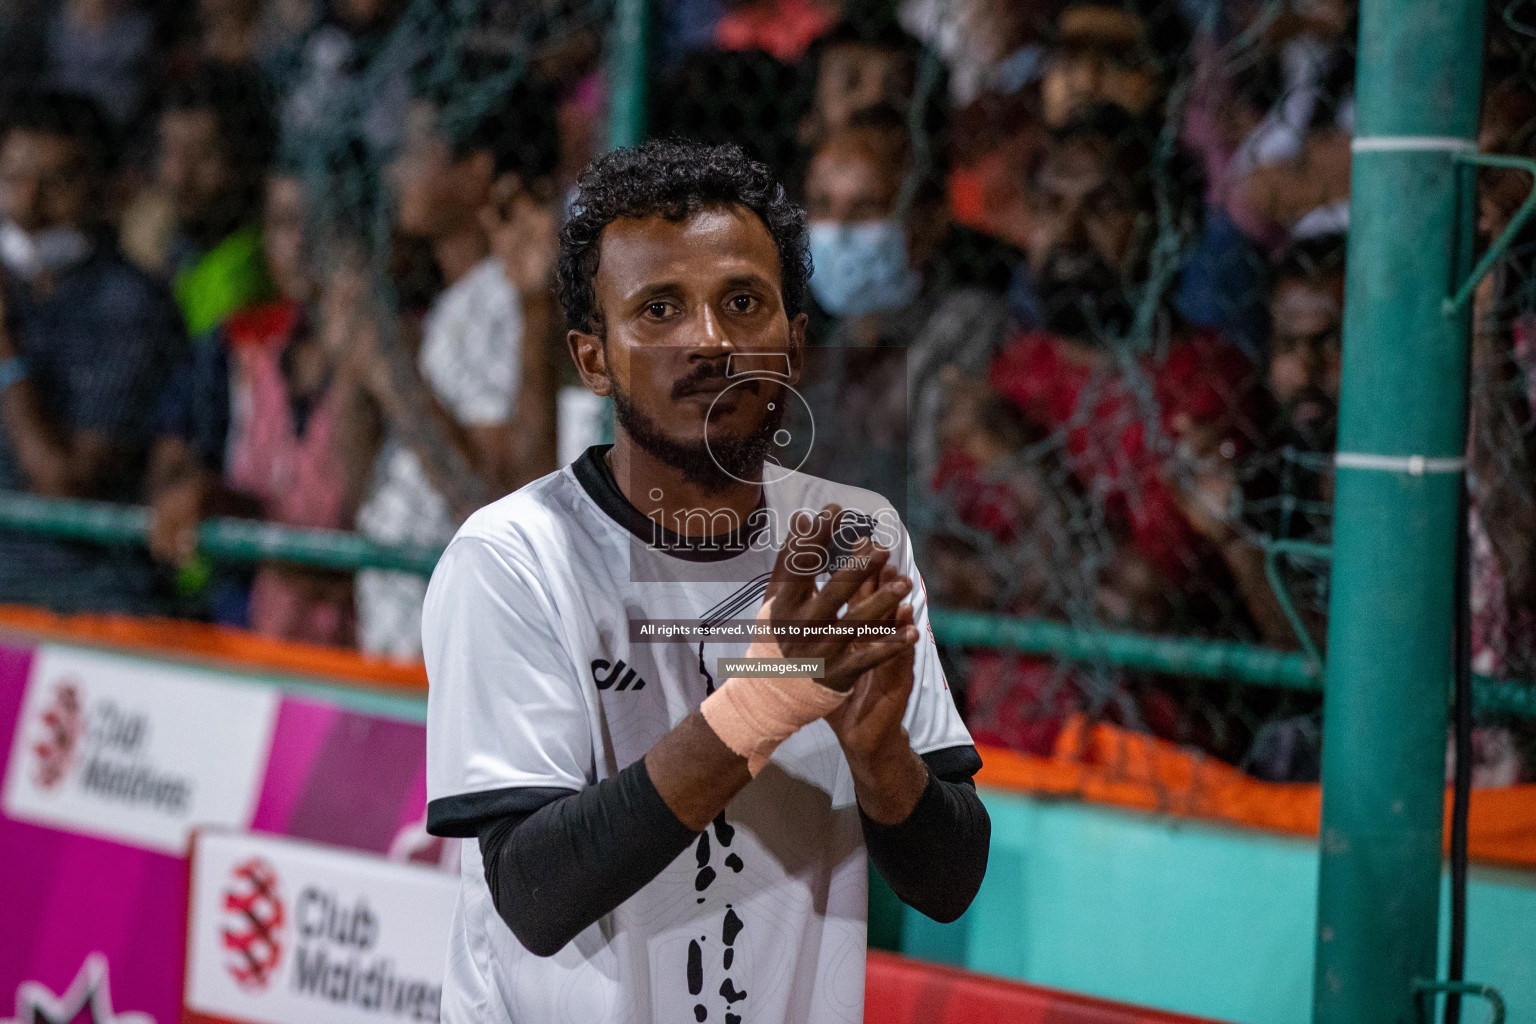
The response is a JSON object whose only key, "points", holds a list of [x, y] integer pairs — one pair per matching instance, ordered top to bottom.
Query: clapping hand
{"points": [[860, 580]]}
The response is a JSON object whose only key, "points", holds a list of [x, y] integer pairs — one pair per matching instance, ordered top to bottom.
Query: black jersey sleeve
{"points": [[935, 859], [556, 870]]}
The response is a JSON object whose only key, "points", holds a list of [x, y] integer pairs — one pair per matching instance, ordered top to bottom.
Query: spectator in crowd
{"points": [[783, 28], [249, 32], [990, 46], [103, 49], [1125, 54], [868, 60], [860, 64], [331, 103], [779, 113], [1292, 115], [215, 140], [1088, 262], [896, 303], [1307, 308], [84, 344], [472, 417], [271, 422], [1502, 457], [1502, 476], [1291, 495], [1008, 536]]}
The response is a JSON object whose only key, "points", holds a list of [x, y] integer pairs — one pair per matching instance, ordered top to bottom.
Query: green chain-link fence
{"points": [[1125, 225]]}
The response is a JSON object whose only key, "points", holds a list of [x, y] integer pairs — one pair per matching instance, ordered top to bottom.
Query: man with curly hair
{"points": [[662, 830]]}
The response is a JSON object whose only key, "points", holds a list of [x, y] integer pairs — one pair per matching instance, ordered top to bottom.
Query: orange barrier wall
{"points": [[1107, 765]]}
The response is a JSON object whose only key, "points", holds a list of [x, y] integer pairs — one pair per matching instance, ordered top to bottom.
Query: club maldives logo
{"points": [[62, 722], [107, 745], [254, 919], [286, 931]]}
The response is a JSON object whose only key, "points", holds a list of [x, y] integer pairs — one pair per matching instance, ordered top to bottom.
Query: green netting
{"points": [[1100, 448]]}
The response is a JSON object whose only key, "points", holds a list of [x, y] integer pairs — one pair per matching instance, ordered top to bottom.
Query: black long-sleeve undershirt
{"points": [[935, 859], [556, 870]]}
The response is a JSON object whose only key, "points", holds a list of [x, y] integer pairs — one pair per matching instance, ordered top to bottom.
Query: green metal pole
{"points": [[629, 47], [628, 70], [1402, 435]]}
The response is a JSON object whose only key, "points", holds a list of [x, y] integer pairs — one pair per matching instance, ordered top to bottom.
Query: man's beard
{"points": [[1084, 300], [1317, 433], [713, 467]]}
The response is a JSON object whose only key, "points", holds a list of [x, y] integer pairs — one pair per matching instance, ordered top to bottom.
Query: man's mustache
{"points": [[1078, 266], [706, 373], [1325, 403]]}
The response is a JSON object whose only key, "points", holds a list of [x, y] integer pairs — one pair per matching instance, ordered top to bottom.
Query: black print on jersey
{"points": [[742, 603], [735, 605], [709, 679], [605, 681], [724, 830], [706, 873], [732, 927], [695, 968]]}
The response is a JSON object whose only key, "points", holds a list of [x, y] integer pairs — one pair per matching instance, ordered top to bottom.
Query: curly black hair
{"points": [[68, 115], [674, 179]]}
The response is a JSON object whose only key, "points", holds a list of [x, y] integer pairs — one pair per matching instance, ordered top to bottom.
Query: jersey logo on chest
{"points": [[618, 675]]}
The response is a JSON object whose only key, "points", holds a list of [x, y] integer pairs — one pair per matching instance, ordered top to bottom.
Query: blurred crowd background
{"points": [[292, 260]]}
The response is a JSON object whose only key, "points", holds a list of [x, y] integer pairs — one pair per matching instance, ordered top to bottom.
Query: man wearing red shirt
{"points": [[1124, 405]]}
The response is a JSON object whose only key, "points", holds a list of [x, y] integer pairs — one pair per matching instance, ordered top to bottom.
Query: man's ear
{"points": [[478, 173], [503, 189], [797, 346], [590, 355]]}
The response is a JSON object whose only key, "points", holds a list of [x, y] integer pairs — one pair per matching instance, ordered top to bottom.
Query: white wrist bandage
{"points": [[753, 716]]}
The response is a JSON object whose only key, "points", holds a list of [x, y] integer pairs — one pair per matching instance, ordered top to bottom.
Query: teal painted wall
{"points": [[1189, 917]]}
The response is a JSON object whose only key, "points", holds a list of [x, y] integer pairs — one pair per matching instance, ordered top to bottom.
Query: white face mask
{"points": [[28, 254], [861, 267]]}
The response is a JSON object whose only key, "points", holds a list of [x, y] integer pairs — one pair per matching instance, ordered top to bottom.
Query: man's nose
{"points": [[1085, 77], [175, 171], [26, 201], [1072, 227], [709, 330], [1315, 363]]}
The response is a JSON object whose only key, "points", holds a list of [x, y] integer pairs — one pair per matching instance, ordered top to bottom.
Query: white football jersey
{"points": [[542, 686]]}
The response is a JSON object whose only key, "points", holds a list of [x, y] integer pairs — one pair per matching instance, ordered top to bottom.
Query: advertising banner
{"points": [[136, 751], [111, 761], [288, 932]]}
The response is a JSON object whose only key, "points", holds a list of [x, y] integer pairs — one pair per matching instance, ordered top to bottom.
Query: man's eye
{"points": [[742, 303], [657, 310]]}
